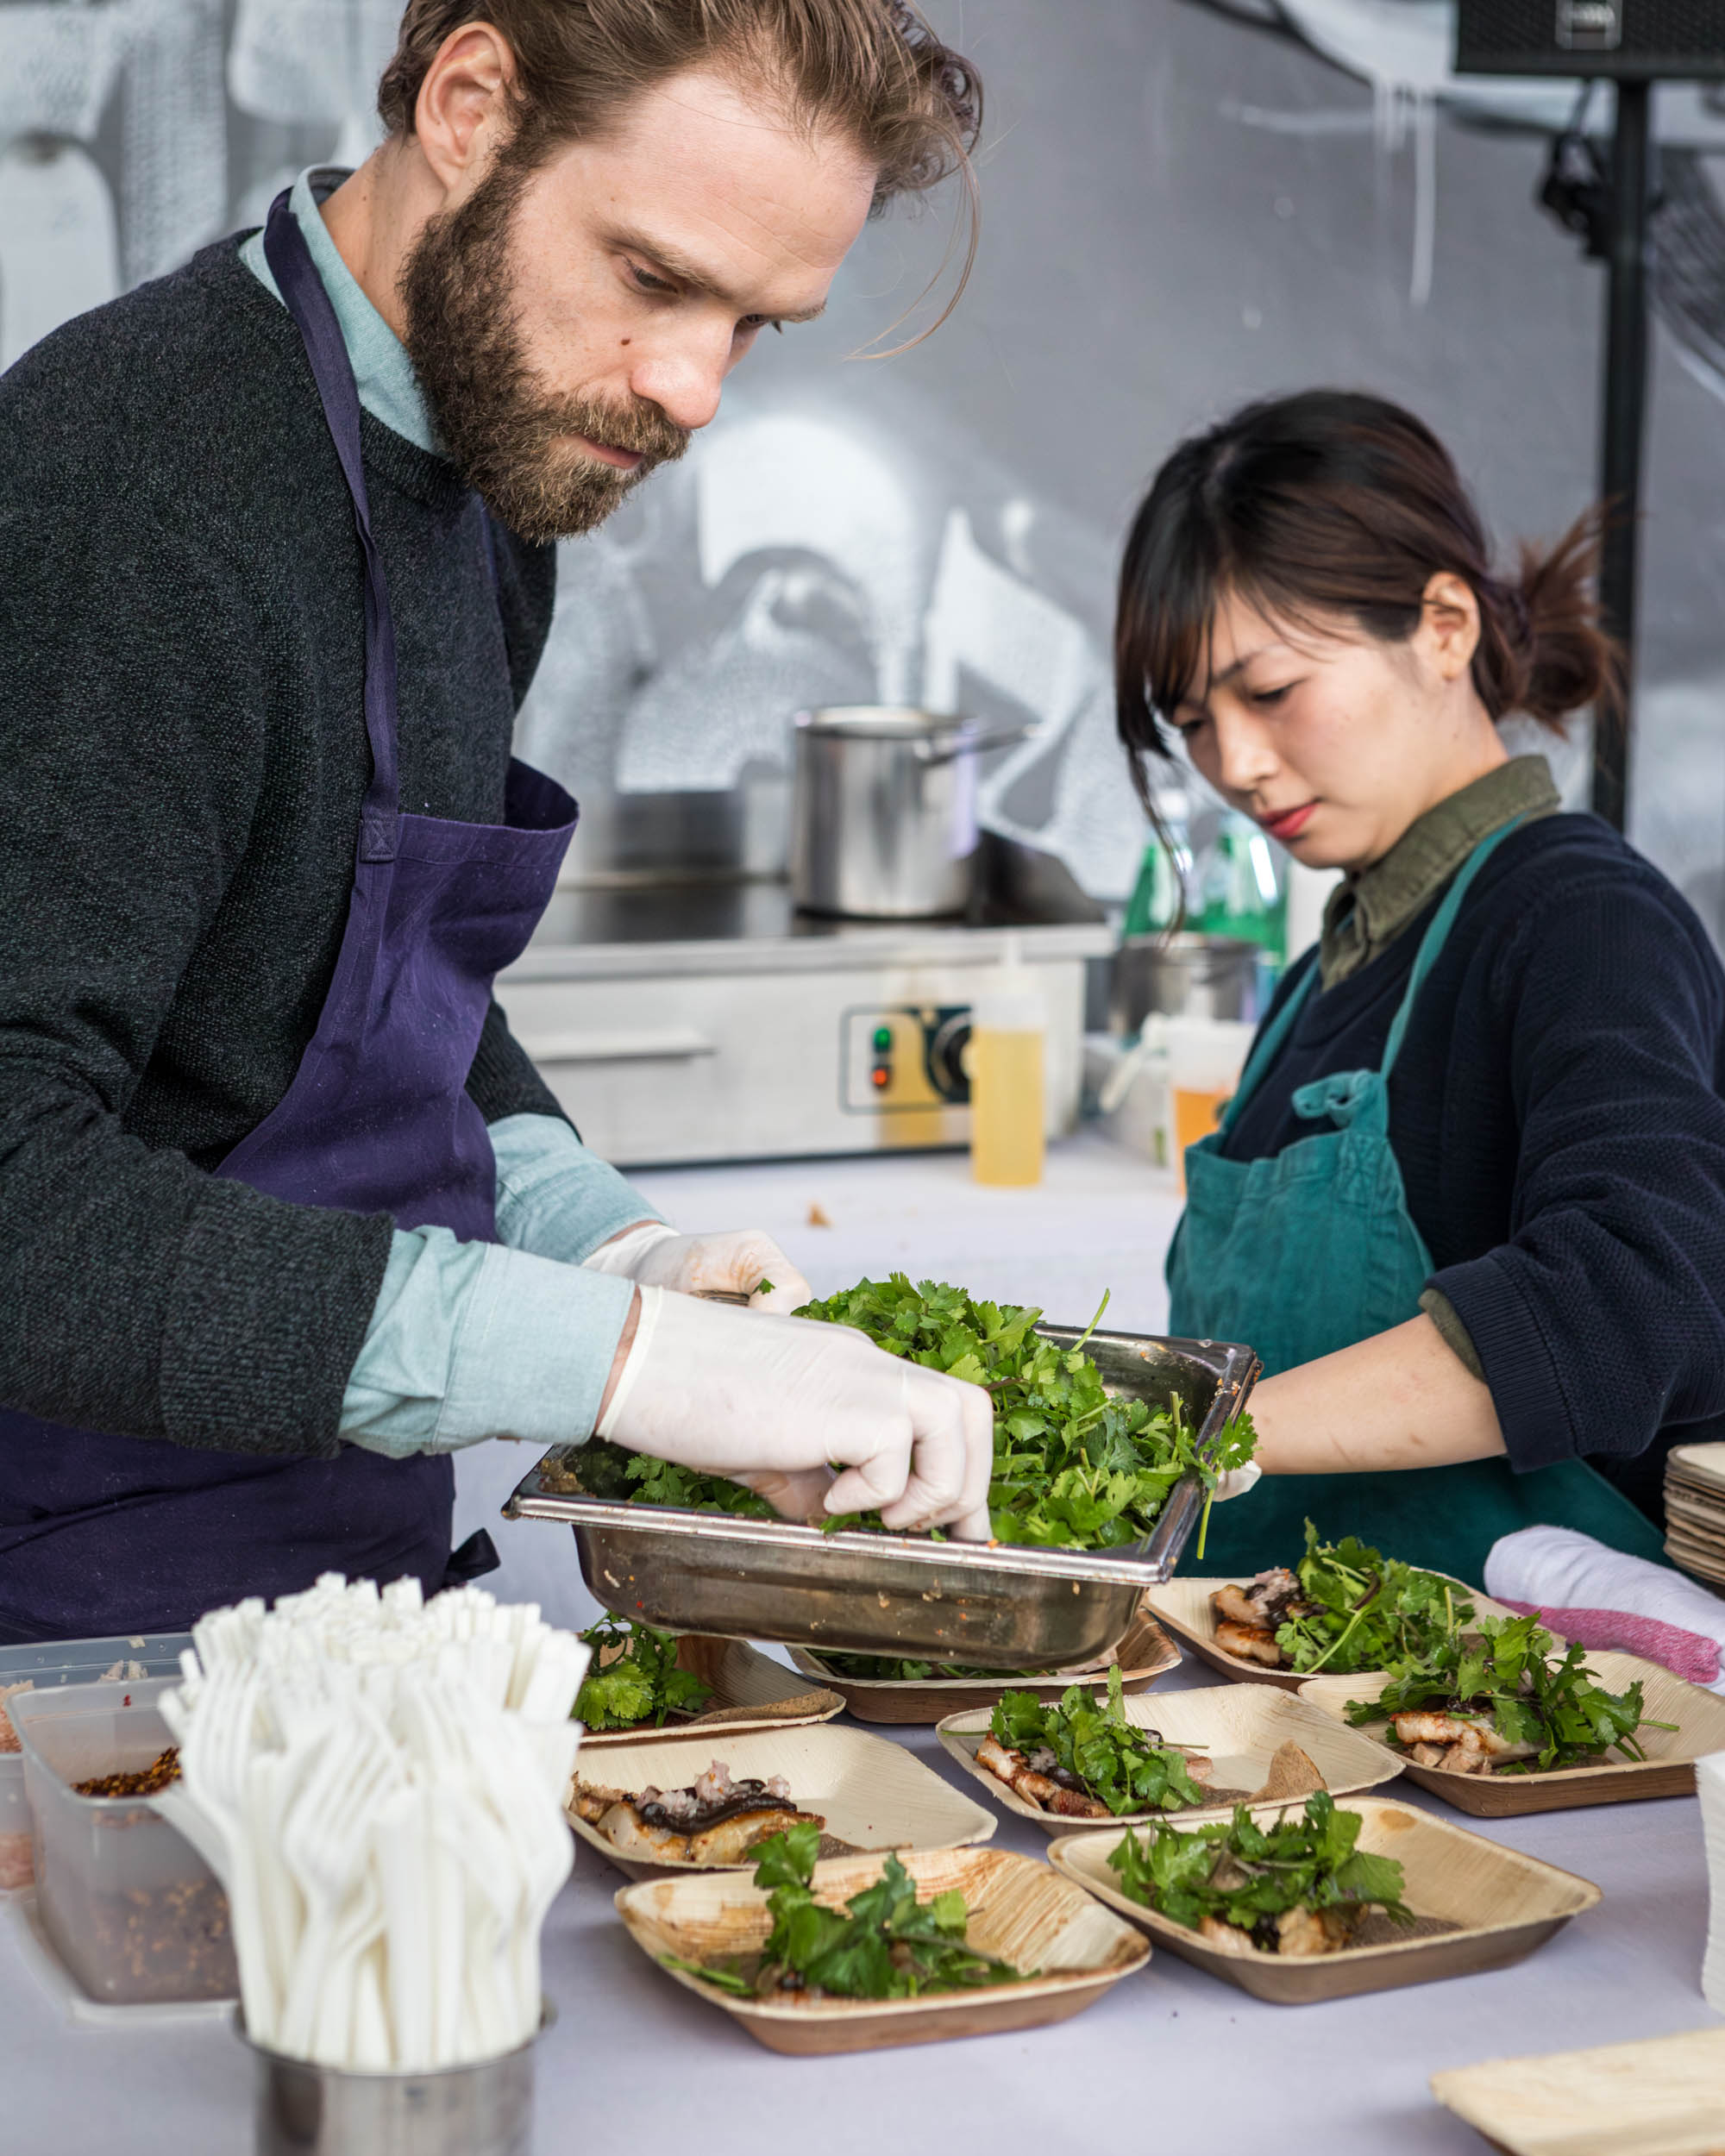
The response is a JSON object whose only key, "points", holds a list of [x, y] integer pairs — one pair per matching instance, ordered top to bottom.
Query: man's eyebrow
{"points": [[691, 273]]}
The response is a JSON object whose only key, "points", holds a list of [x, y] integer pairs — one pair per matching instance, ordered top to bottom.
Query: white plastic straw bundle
{"points": [[379, 1783]]}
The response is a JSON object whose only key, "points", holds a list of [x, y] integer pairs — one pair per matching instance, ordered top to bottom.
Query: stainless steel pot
{"points": [[883, 810], [1186, 976]]}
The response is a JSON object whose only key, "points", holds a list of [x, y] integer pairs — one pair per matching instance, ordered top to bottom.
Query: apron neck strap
{"points": [[302, 290], [1432, 942], [1268, 1045]]}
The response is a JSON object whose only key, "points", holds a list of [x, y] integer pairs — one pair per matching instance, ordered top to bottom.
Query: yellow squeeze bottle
{"points": [[1008, 1031]]}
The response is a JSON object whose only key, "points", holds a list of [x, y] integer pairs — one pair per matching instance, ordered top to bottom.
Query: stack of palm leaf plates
{"points": [[1694, 1510]]}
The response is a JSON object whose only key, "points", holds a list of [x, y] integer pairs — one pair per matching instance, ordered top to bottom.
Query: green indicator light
{"points": [[883, 1039]]}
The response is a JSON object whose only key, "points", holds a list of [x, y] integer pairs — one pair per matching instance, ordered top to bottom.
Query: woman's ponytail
{"points": [[1542, 651]]}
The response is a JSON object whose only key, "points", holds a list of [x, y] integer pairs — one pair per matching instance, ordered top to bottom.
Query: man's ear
{"points": [[461, 113], [1448, 634]]}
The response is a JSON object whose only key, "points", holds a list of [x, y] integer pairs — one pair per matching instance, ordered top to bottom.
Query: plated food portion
{"points": [[1077, 1466], [1342, 1607], [641, 1681], [901, 1691], [1508, 1704], [1507, 1721], [1083, 1759], [1137, 1759], [700, 1802], [718, 1819], [1296, 1885], [1329, 1900], [883, 1944], [907, 1948]]}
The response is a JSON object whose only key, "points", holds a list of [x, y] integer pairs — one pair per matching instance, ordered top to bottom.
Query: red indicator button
{"points": [[881, 1077]]}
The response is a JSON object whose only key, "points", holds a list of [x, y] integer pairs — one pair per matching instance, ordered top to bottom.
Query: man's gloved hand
{"points": [[734, 1263], [769, 1402]]}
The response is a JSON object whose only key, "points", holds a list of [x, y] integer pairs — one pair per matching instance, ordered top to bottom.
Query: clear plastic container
{"points": [[47, 1665], [130, 1907]]}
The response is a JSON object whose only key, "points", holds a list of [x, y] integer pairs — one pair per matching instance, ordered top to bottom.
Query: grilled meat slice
{"points": [[1251, 1643]]}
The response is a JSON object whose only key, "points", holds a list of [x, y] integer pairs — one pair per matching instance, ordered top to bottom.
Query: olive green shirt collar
{"points": [[1368, 911]]}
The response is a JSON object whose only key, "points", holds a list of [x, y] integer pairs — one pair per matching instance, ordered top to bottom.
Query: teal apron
{"points": [[1313, 1249]]}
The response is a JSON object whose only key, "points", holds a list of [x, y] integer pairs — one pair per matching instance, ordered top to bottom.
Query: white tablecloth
{"points": [[1172, 2059]]}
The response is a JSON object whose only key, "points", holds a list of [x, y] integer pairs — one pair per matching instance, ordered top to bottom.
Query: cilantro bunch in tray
{"points": [[1074, 1468], [635, 1678], [1502, 1688], [1293, 1886], [884, 1944]]}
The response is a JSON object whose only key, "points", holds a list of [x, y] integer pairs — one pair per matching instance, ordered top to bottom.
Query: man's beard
{"points": [[505, 431]]}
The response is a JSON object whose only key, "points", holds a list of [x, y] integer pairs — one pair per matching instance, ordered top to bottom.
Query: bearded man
{"points": [[289, 1215]]}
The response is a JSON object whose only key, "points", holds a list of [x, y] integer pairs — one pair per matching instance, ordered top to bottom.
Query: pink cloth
{"points": [[1686, 1654]]}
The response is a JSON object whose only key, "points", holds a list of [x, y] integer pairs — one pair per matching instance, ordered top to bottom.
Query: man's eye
{"points": [[646, 282]]}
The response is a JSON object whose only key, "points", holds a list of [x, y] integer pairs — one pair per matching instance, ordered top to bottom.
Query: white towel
{"points": [[1558, 1569]]}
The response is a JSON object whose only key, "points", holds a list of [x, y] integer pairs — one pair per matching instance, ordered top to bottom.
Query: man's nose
{"points": [[684, 382]]}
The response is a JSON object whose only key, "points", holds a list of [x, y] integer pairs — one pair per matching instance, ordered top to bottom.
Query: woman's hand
{"points": [[1403, 1398]]}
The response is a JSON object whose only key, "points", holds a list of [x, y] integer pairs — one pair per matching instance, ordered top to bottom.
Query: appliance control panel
{"points": [[899, 1058]]}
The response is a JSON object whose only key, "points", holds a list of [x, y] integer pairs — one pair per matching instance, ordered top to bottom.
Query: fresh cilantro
{"points": [[1075, 1467], [1370, 1612], [1508, 1673], [634, 1677], [1124, 1767], [1247, 1875], [883, 1945]]}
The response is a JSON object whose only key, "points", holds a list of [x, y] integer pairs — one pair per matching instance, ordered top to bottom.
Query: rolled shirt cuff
{"points": [[554, 1197], [1454, 1334], [472, 1340], [533, 1351], [1517, 1360]]}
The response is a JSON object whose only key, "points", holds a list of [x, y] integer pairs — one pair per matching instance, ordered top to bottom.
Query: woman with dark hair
{"points": [[1468, 1200]]}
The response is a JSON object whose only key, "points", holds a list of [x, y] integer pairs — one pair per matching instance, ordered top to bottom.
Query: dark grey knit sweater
{"points": [[182, 758]]}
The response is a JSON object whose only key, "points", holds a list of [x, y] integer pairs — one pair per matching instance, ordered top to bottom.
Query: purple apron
{"points": [[109, 1534]]}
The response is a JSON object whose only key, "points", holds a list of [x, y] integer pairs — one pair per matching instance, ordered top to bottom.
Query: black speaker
{"points": [[1627, 40]]}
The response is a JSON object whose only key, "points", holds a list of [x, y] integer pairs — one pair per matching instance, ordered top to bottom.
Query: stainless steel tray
{"points": [[997, 1605]]}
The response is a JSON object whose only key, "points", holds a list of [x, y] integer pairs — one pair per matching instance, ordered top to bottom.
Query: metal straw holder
{"points": [[485, 2109]]}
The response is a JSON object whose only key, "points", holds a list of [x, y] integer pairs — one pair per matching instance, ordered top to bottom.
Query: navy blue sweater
{"points": [[1556, 1110]]}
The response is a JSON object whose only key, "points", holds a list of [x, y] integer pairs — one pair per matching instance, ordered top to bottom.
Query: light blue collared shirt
{"points": [[389, 389], [471, 1340]]}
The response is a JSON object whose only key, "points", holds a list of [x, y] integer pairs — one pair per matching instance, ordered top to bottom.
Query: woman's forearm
{"points": [[1401, 1398]]}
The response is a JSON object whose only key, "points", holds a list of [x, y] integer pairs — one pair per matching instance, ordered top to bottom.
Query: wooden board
{"points": [[1183, 1605], [1143, 1654], [749, 1691], [1240, 1727], [1668, 1770], [872, 1793], [1502, 1906], [1019, 1910], [1663, 2096]]}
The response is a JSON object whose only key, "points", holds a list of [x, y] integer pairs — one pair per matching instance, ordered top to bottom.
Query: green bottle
{"points": [[1239, 892], [1157, 902]]}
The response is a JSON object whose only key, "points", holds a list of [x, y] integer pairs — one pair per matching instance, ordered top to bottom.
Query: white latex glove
{"points": [[733, 1264], [769, 1402], [1237, 1481]]}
